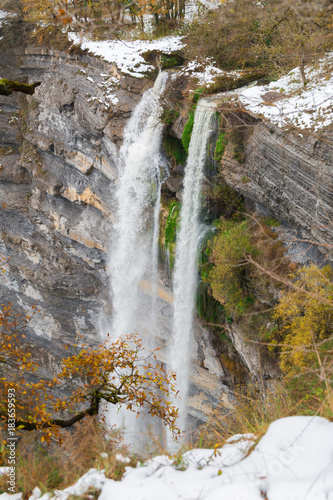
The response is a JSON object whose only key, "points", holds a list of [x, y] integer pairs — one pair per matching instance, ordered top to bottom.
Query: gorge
{"points": [[80, 229]]}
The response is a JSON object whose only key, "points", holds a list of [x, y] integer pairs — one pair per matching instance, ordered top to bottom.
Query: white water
{"points": [[188, 237], [134, 251]]}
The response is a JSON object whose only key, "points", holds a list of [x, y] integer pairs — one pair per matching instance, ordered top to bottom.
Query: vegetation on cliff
{"points": [[284, 308], [117, 372]]}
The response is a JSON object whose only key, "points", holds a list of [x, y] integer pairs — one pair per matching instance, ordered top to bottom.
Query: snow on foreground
{"points": [[127, 55], [287, 102], [293, 461]]}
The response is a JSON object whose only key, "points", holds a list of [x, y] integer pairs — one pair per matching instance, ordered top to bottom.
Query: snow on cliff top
{"points": [[127, 55], [287, 102], [293, 461]]}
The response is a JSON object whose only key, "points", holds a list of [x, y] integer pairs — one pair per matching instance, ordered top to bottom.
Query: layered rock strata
{"points": [[59, 151]]}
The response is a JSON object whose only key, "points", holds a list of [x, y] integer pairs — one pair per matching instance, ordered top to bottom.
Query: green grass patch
{"points": [[186, 137], [220, 146]]}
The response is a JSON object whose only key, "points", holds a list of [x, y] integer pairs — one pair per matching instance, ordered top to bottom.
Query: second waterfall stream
{"points": [[134, 245], [185, 279]]}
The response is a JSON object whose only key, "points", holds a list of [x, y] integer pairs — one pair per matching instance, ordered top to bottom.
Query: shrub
{"points": [[272, 40], [244, 251], [229, 275], [306, 314], [87, 445]]}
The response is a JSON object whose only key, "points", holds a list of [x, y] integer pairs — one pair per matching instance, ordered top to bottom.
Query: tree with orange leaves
{"points": [[114, 372]]}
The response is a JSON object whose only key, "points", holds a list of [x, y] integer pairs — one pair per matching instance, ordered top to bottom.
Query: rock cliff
{"points": [[59, 152], [58, 158], [289, 174]]}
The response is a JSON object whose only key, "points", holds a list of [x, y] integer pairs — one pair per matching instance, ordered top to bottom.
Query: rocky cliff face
{"points": [[59, 152], [58, 161], [285, 174], [289, 174]]}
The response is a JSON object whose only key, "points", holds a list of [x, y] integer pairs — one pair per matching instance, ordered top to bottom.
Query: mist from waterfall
{"points": [[134, 246], [185, 277]]}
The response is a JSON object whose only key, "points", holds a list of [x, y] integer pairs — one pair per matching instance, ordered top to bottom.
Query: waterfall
{"points": [[188, 237], [133, 252]]}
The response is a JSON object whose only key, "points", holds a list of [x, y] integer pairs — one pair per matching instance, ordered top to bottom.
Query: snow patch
{"points": [[127, 55], [206, 71], [287, 102], [292, 461]]}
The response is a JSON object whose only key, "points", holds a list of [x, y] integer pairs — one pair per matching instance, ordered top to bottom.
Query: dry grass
{"points": [[254, 411], [56, 467]]}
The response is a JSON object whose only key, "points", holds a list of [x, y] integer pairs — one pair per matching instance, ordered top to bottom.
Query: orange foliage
{"points": [[115, 372]]}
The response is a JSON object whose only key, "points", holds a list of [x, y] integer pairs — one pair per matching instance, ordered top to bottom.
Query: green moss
{"points": [[171, 60], [7, 87], [197, 94], [169, 116], [186, 137], [220, 146], [174, 148], [271, 222], [171, 231], [228, 278], [209, 309]]}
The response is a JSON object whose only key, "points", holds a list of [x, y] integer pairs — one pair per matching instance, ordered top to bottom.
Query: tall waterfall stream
{"points": [[188, 237], [135, 239], [134, 246]]}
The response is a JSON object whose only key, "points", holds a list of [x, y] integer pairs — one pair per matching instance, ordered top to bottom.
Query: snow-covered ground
{"points": [[3, 16], [127, 55], [206, 72], [283, 102], [286, 102], [292, 461]]}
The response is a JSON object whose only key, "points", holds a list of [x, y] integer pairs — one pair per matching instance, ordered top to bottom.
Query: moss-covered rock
{"points": [[171, 60], [7, 87], [220, 146], [175, 149]]}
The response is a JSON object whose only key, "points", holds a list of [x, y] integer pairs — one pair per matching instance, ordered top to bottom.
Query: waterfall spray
{"points": [[188, 236]]}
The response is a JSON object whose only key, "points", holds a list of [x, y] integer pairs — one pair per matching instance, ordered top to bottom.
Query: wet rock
{"points": [[174, 184]]}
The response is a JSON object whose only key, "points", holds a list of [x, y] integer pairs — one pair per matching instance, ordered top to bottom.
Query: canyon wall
{"points": [[59, 151], [289, 174]]}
